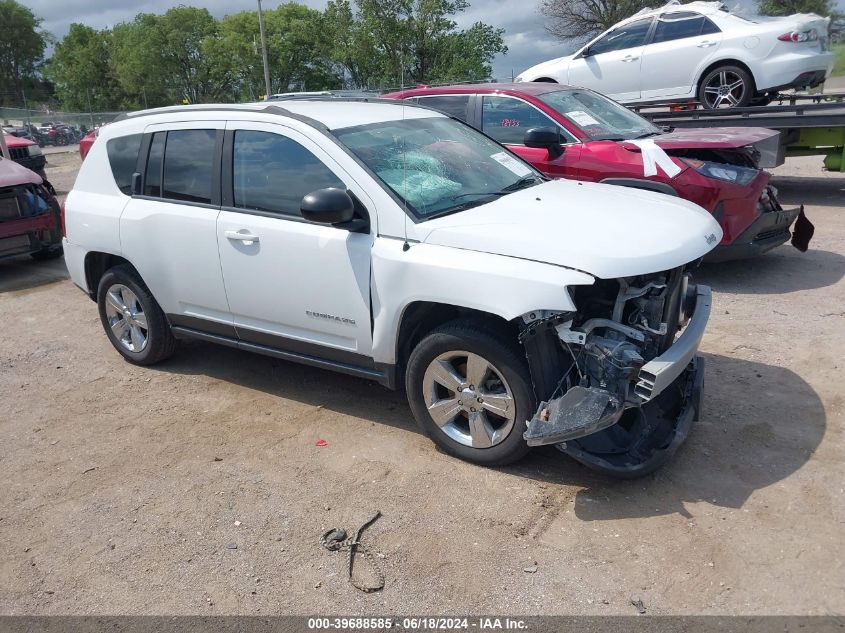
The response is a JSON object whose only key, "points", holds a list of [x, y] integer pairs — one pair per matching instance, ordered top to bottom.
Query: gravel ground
{"points": [[195, 487]]}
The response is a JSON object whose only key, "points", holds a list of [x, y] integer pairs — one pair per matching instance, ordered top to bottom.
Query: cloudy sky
{"points": [[527, 40]]}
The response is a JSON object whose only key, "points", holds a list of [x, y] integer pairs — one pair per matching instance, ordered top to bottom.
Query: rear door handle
{"points": [[705, 44], [630, 58], [243, 236]]}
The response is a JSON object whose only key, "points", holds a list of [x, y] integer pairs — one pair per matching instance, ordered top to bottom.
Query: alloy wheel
{"points": [[724, 89], [126, 318], [469, 399]]}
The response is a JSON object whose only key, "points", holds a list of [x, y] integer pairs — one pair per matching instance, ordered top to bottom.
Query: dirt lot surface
{"points": [[195, 487]]}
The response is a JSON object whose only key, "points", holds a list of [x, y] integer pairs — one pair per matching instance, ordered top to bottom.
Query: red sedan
{"points": [[579, 134], [87, 141]]}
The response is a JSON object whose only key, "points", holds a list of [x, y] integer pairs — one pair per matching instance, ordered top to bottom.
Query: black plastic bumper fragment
{"points": [[768, 231], [645, 437]]}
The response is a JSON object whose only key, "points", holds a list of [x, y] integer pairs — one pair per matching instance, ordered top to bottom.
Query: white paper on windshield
{"points": [[582, 118], [511, 163]]}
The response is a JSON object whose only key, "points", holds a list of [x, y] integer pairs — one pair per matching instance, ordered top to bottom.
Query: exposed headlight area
{"points": [[34, 150], [720, 171]]}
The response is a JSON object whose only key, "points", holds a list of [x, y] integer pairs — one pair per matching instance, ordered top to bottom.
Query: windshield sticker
{"points": [[582, 118], [510, 123], [511, 163]]}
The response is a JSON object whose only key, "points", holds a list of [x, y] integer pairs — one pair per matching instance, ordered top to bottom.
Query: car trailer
{"points": [[809, 125]]}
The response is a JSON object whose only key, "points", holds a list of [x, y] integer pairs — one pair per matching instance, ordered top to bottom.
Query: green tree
{"points": [[788, 7], [581, 19], [417, 41], [350, 46], [21, 50], [297, 51], [165, 59], [80, 69]]}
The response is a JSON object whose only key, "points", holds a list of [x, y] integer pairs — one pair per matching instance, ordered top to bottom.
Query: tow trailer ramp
{"points": [[809, 125]]}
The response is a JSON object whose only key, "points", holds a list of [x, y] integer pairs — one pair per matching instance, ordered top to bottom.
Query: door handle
{"points": [[705, 44], [630, 58], [243, 236]]}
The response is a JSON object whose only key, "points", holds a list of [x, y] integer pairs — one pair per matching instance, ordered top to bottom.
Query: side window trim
{"points": [[566, 133]]}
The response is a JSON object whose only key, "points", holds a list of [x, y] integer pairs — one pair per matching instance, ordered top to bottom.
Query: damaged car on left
{"points": [[30, 216], [391, 242]]}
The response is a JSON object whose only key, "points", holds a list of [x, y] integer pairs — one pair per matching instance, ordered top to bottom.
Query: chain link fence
{"points": [[21, 117]]}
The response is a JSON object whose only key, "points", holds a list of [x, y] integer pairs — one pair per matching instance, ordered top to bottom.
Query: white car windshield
{"points": [[599, 117], [437, 166]]}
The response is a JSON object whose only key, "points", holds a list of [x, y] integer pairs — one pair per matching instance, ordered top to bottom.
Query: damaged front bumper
{"points": [[768, 231], [633, 434]]}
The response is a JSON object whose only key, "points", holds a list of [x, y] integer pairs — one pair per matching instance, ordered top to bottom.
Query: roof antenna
{"points": [[405, 245]]}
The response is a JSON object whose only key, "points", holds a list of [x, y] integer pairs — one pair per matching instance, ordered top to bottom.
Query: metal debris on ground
{"points": [[336, 539], [640, 606]]}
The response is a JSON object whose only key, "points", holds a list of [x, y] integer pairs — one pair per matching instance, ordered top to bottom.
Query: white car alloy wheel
{"points": [[725, 89], [126, 318], [469, 399]]}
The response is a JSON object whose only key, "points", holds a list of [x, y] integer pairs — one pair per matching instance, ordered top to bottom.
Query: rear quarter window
{"points": [[123, 157]]}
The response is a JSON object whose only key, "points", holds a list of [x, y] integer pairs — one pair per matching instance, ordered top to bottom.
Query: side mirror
{"points": [[585, 53], [544, 138], [328, 206]]}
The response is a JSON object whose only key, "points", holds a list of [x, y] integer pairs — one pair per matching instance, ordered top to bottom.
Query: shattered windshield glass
{"points": [[599, 117], [437, 166]]}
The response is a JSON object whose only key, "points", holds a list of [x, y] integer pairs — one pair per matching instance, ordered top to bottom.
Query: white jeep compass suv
{"points": [[394, 243]]}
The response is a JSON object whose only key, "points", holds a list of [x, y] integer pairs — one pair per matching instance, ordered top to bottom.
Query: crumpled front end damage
{"points": [[619, 380]]}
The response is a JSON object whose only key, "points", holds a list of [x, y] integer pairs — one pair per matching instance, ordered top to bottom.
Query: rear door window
{"points": [[680, 25], [453, 105], [123, 157], [189, 165], [273, 173]]}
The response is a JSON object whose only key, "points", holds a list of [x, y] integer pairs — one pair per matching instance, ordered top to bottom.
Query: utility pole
{"points": [[268, 90]]}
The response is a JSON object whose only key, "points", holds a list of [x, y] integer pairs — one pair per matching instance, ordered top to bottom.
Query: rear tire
{"points": [[726, 86], [132, 318], [481, 423]]}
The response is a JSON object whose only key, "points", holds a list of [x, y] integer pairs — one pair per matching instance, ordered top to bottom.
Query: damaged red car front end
{"points": [[599, 140], [30, 217]]}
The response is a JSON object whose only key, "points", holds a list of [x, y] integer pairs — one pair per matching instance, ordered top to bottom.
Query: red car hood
{"points": [[711, 138], [12, 174]]}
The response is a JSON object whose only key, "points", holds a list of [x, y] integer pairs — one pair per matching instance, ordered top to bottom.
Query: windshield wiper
{"points": [[647, 134], [522, 183], [479, 193], [458, 207]]}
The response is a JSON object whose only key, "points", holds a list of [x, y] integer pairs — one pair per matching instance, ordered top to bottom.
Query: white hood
{"points": [[605, 230]]}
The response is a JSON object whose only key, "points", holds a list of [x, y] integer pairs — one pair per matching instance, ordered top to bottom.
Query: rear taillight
{"points": [[800, 36], [62, 218]]}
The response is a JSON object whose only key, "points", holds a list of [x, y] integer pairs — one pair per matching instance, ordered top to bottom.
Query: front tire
{"points": [[726, 87], [132, 318], [470, 391]]}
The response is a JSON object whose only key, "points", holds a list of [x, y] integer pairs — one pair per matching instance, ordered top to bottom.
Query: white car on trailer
{"points": [[697, 51]]}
